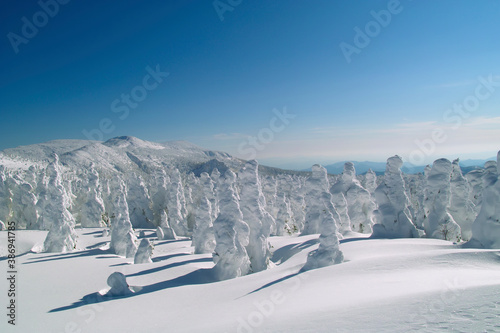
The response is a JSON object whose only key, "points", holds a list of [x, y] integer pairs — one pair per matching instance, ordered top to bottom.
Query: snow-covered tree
{"points": [[490, 174], [215, 175], [475, 180], [479, 180], [370, 181], [269, 189], [206, 190], [159, 194], [5, 196], [317, 197], [417, 197], [192, 198], [139, 202], [298, 202], [340, 203], [23, 204], [176, 204], [360, 206], [93, 207], [461, 207], [393, 217], [284, 218], [260, 222], [439, 223], [486, 227], [164, 231], [159, 233], [203, 234], [231, 234], [61, 236], [123, 240], [144, 252], [328, 252]]}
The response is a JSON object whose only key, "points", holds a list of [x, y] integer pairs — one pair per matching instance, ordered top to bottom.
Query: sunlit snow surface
{"points": [[400, 285]]}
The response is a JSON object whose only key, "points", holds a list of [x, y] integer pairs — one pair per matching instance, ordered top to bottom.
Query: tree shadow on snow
{"points": [[97, 233], [150, 235], [348, 240], [168, 241], [97, 245], [286, 252], [17, 255], [69, 255], [166, 257], [122, 264], [175, 264], [200, 276], [267, 285]]}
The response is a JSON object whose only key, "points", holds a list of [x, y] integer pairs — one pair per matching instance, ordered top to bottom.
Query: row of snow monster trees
{"points": [[233, 215]]}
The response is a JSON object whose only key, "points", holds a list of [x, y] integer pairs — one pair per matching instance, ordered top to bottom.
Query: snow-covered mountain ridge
{"points": [[116, 153]]}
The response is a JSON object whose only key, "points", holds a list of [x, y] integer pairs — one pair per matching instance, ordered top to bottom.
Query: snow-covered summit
{"points": [[131, 142], [123, 153]]}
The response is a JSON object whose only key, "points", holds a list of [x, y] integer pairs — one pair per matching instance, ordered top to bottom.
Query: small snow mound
{"points": [[37, 248], [118, 284]]}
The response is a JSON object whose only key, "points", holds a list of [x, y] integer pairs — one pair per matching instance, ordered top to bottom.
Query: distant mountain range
{"points": [[129, 154]]}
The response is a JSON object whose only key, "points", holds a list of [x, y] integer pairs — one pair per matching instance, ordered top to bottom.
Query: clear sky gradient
{"points": [[399, 92]]}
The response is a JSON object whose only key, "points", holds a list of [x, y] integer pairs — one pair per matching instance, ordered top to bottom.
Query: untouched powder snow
{"points": [[384, 285]]}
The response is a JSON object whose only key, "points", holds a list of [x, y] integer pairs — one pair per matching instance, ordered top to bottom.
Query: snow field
{"points": [[383, 285]]}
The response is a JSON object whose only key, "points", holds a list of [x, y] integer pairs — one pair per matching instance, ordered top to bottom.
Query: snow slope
{"points": [[120, 153], [383, 286]]}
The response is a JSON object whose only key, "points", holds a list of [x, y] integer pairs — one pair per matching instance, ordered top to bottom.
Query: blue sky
{"points": [[228, 78]]}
